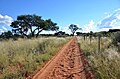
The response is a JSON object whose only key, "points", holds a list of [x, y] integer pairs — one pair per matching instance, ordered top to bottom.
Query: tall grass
{"points": [[19, 59], [106, 64]]}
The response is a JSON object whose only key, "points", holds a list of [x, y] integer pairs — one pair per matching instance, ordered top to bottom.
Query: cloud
{"points": [[117, 9], [5, 20], [110, 20], [89, 27], [4, 28], [65, 29], [1, 31], [47, 32]]}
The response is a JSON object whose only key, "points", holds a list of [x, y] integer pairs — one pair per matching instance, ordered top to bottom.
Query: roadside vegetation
{"points": [[23, 48], [19, 59], [105, 64]]}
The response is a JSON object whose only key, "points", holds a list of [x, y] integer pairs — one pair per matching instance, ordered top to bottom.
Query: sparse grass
{"points": [[18, 59], [106, 64]]}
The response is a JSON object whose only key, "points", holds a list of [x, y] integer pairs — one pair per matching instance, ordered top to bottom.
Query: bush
{"points": [[116, 38]]}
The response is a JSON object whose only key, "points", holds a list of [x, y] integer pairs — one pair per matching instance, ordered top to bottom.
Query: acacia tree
{"points": [[31, 25], [73, 28]]}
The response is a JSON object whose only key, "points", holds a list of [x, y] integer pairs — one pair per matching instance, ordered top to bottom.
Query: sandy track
{"points": [[69, 63]]}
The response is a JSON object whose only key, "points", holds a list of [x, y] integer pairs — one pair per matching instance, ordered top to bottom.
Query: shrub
{"points": [[116, 38]]}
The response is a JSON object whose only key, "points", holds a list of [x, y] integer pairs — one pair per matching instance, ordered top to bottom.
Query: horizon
{"points": [[90, 16]]}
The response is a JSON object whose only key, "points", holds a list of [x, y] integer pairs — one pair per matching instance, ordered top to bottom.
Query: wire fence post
{"points": [[99, 37]]}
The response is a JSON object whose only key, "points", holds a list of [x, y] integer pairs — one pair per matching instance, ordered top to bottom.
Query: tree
{"points": [[31, 25], [73, 28], [114, 30], [60, 33], [79, 33], [91, 34], [7, 35], [115, 38]]}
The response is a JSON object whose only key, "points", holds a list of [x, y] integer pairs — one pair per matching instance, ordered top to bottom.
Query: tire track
{"points": [[69, 63]]}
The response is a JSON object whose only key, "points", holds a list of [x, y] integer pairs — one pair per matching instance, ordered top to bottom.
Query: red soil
{"points": [[69, 63]]}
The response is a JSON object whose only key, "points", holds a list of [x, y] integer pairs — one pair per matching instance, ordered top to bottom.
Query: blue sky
{"points": [[95, 15]]}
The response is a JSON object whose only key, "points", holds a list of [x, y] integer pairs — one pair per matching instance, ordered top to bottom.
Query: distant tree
{"points": [[31, 25], [73, 28], [114, 30], [60, 33], [79, 33], [104, 33], [91, 34], [7, 35], [115, 38]]}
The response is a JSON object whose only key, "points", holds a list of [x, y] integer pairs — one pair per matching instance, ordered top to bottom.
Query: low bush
{"points": [[115, 38]]}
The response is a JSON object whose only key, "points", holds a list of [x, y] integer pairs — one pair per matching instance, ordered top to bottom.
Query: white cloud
{"points": [[117, 9], [105, 13], [5, 20], [110, 21], [89, 27], [116, 27], [4, 28], [65, 29], [103, 29], [1, 31], [47, 32]]}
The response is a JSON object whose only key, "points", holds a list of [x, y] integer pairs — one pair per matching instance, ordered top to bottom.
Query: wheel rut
{"points": [[69, 63]]}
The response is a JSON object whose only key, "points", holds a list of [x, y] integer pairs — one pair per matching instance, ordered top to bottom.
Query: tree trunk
{"points": [[32, 32], [22, 33], [38, 33], [73, 33], [25, 35], [84, 37], [90, 38], [99, 43]]}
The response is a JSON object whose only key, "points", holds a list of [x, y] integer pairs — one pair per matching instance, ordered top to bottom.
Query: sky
{"points": [[90, 15]]}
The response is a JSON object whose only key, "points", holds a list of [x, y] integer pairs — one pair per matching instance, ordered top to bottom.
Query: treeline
{"points": [[28, 26], [101, 33], [11, 34], [113, 34]]}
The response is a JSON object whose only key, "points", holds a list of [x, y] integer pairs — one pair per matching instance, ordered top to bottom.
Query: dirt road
{"points": [[69, 63]]}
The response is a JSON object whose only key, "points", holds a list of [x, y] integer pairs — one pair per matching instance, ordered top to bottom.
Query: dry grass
{"points": [[18, 59], [106, 64]]}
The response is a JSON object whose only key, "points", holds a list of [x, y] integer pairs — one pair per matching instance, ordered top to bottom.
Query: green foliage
{"points": [[33, 23], [73, 28], [60, 33], [6, 35], [115, 38]]}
